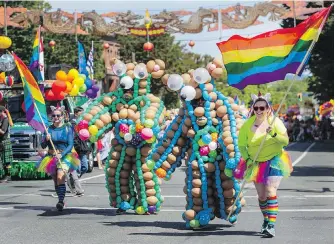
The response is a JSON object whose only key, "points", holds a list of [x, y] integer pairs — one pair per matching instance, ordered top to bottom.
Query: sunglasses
{"points": [[260, 108], [56, 115]]}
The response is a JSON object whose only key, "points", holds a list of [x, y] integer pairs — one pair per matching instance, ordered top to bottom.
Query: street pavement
{"points": [[306, 210]]}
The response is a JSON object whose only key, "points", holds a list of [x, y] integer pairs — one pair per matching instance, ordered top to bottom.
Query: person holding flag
{"points": [[258, 60], [58, 137], [59, 162], [273, 163]]}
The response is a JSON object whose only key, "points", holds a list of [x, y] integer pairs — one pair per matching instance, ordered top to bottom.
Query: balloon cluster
{"points": [[7, 80], [72, 84], [136, 116], [204, 133]]}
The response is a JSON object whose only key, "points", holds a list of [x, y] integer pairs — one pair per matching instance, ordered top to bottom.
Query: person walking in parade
{"points": [[80, 146], [6, 153], [58, 163], [272, 163]]}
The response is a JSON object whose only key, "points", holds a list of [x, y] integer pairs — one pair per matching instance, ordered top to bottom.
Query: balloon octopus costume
{"points": [[136, 117], [204, 133]]}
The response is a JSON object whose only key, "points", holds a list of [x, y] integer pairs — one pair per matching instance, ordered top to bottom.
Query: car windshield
{"points": [[15, 107]]}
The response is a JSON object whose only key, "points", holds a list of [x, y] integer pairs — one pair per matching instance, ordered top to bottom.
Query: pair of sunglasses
{"points": [[260, 108], [56, 115]]}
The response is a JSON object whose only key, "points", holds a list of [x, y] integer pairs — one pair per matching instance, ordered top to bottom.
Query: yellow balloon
{"points": [[73, 74], [78, 81], [74, 91], [93, 129], [140, 210]]}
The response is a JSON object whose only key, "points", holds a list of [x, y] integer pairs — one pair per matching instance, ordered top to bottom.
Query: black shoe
{"points": [[79, 194], [60, 206], [120, 211], [265, 224], [270, 231]]}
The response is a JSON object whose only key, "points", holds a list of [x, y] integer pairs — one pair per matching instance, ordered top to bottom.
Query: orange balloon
{"points": [[61, 75], [2, 77], [68, 87], [161, 173]]}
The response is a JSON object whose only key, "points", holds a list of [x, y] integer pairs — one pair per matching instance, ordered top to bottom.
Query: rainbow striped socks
{"points": [[263, 206], [272, 209]]}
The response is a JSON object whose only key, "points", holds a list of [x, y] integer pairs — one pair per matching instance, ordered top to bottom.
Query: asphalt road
{"points": [[306, 211]]}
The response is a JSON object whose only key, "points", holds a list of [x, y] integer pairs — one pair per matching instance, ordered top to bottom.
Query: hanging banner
{"points": [[143, 31]]}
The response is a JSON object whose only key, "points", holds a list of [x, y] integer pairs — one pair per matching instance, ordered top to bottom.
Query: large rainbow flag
{"points": [[270, 56], [33, 98]]}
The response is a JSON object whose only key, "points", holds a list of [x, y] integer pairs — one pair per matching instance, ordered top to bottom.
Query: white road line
{"points": [[291, 144], [303, 155], [93, 177], [167, 210]]}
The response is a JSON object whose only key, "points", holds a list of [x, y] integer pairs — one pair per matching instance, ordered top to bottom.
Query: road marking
{"points": [[291, 144], [303, 155], [93, 177], [167, 196], [46, 208]]}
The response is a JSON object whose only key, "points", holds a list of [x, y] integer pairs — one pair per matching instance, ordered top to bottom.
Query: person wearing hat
{"points": [[6, 153], [272, 162]]}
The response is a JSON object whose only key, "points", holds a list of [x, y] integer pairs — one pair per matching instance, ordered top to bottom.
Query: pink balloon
{"points": [[156, 68], [83, 125], [124, 128], [146, 133], [84, 134], [204, 150]]}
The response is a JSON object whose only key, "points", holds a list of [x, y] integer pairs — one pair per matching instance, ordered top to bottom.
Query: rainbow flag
{"points": [[270, 56], [36, 65], [33, 99]]}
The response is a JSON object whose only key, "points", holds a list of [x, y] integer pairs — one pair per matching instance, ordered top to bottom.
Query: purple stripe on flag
{"points": [[265, 77], [30, 113], [36, 125]]}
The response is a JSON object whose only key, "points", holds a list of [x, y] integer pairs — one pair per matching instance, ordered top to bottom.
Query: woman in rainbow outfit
{"points": [[62, 137], [272, 163]]}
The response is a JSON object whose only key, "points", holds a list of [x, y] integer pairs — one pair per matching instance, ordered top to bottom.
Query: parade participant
{"points": [[80, 146], [6, 154], [58, 163], [272, 163]]}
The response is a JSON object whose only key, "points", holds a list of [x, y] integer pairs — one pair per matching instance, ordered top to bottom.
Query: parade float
{"points": [[136, 116], [204, 134]]}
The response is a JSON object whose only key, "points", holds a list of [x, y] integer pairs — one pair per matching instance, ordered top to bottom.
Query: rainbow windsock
{"points": [[270, 56], [36, 65], [33, 98]]}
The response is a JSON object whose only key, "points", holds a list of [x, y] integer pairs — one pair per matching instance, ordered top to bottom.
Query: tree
{"points": [[65, 51], [321, 63]]}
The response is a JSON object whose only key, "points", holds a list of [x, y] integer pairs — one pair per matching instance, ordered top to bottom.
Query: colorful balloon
{"points": [[84, 134]]}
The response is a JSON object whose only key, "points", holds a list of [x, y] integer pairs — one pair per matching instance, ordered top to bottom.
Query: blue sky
{"points": [[205, 42]]}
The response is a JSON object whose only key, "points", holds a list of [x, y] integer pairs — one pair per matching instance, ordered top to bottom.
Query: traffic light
{"points": [[299, 95]]}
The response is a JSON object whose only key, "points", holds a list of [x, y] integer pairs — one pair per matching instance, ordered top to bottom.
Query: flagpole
{"points": [[5, 16], [281, 104], [39, 114], [46, 130]]}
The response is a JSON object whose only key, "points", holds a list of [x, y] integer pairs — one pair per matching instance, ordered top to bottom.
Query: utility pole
{"points": [[5, 16]]}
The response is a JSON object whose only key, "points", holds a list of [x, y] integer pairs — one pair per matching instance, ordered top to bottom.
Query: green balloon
{"points": [[83, 88], [93, 139], [213, 154], [150, 164], [194, 223]]}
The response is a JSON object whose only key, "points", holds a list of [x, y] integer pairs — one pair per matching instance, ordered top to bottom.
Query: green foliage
{"points": [[37, 4], [65, 50]]}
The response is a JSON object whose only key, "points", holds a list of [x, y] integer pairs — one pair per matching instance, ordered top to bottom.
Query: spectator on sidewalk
{"points": [[6, 153]]}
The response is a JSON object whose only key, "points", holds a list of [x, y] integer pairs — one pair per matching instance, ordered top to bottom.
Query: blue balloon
{"points": [[88, 83], [206, 138]]}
